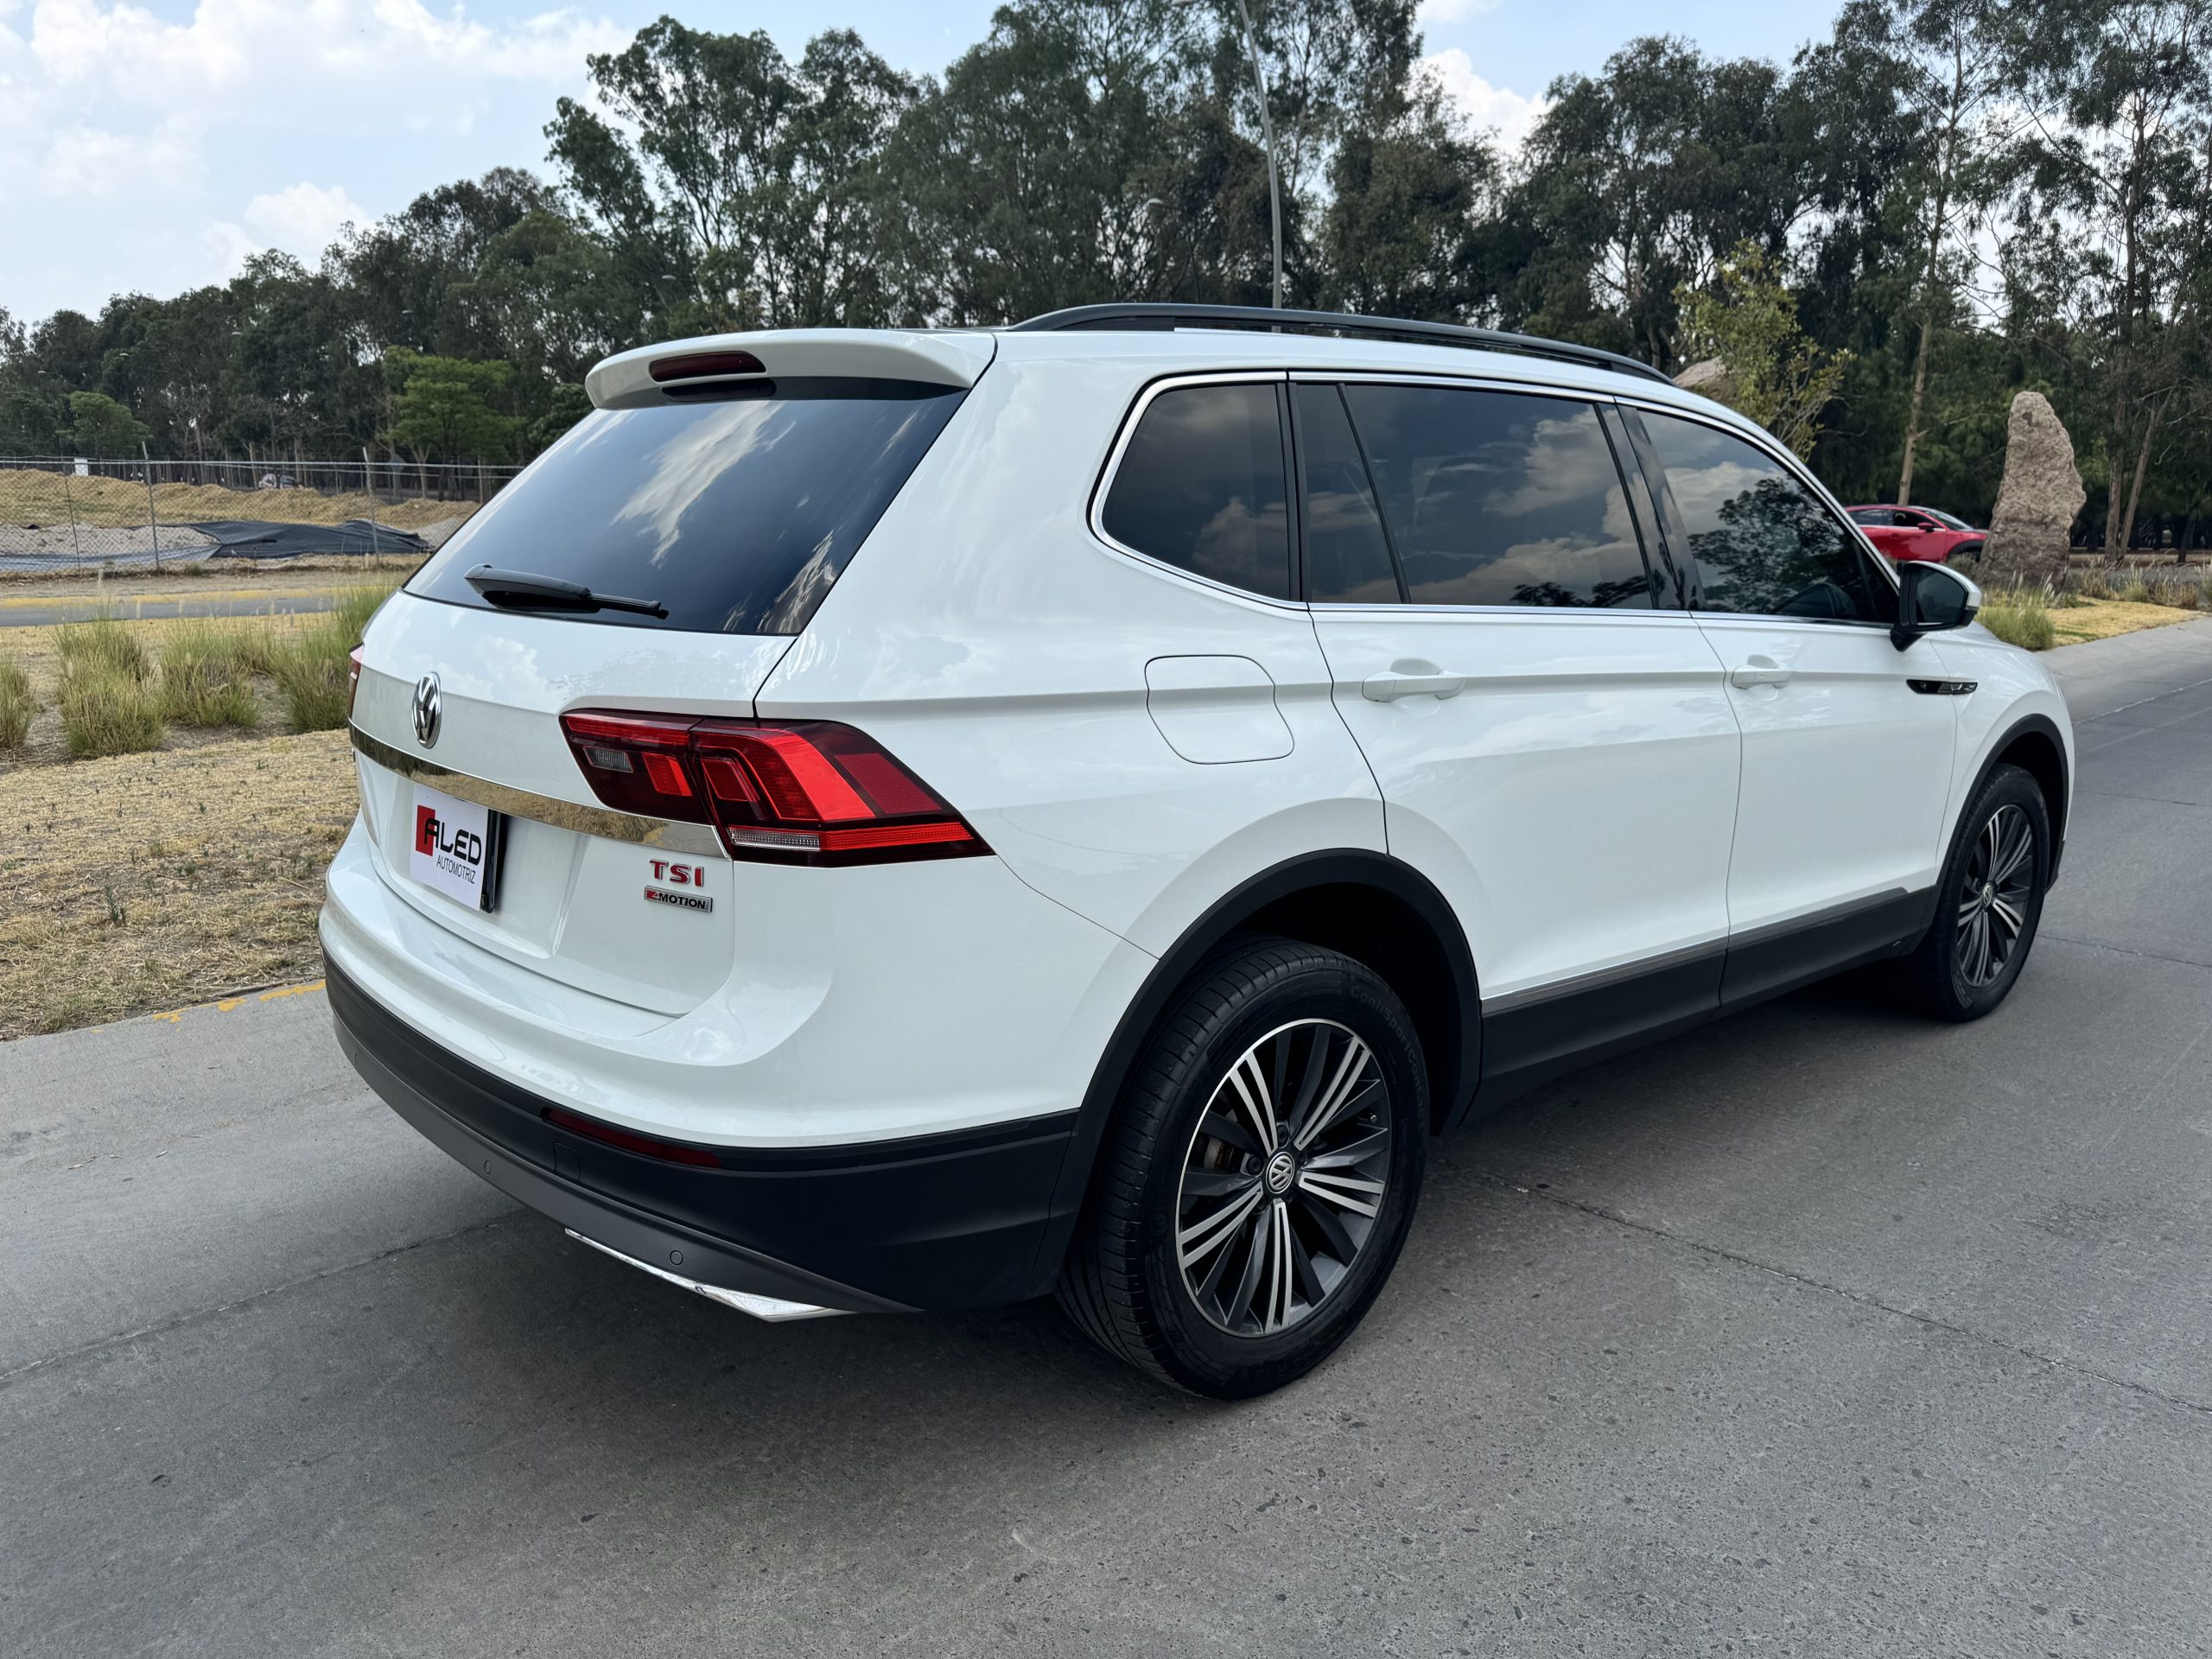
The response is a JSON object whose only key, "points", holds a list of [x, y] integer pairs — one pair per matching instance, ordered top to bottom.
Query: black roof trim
{"points": [[1154, 315]]}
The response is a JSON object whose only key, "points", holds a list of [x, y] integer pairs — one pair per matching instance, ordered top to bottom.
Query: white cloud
{"points": [[1451, 11], [1510, 114], [189, 132], [303, 218]]}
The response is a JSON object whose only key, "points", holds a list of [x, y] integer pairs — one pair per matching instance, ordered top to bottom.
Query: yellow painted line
{"points": [[192, 595], [225, 1005]]}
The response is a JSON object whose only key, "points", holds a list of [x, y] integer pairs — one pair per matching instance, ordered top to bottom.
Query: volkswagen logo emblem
{"points": [[427, 708], [1281, 1171]]}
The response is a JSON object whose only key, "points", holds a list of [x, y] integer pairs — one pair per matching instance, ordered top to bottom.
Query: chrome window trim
{"points": [[1095, 519], [697, 840]]}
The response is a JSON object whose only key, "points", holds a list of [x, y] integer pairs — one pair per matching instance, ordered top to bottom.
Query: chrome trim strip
{"points": [[1095, 518], [699, 840], [1816, 918], [1512, 1001], [773, 1309]]}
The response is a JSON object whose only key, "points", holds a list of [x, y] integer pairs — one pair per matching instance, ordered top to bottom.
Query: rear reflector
{"points": [[695, 365], [353, 679], [808, 791], [671, 1151]]}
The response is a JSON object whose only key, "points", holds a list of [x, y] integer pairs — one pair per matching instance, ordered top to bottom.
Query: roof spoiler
{"points": [[684, 368]]}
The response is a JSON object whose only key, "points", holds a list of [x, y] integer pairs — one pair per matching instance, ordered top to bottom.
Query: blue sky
{"points": [[154, 145]]}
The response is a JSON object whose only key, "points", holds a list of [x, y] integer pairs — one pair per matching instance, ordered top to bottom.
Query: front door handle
{"points": [[1760, 670], [1412, 677]]}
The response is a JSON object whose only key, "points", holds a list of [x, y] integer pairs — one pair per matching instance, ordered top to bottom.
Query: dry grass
{"points": [[28, 497], [2183, 589], [2101, 619], [262, 643], [106, 645], [18, 705], [156, 879]]}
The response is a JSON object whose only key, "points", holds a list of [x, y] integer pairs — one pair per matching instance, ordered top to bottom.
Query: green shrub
{"points": [[2135, 591], [2020, 616], [105, 643], [207, 675], [18, 705], [106, 710]]}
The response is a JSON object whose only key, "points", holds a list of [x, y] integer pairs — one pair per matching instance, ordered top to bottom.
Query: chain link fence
{"points": [[74, 515]]}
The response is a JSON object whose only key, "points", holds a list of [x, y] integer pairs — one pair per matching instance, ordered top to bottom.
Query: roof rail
{"points": [[1348, 323]]}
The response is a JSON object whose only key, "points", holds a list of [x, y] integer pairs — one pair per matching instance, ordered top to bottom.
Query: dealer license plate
{"points": [[456, 848]]}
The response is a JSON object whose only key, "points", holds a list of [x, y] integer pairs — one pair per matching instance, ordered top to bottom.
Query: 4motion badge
{"points": [[683, 884]]}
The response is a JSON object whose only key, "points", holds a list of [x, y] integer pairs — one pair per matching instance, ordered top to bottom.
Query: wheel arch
{"points": [[2033, 743], [1376, 909]]}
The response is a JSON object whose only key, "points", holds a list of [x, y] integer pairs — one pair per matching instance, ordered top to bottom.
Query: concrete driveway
{"points": [[1821, 1332]]}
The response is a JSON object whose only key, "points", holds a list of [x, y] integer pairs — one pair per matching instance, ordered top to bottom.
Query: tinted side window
{"points": [[1201, 487], [1498, 498], [1764, 544], [1347, 559]]}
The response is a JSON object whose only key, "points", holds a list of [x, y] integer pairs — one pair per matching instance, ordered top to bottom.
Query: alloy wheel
{"points": [[1992, 911], [1285, 1176]]}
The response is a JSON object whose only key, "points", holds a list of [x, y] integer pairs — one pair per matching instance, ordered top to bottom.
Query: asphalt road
{"points": [[23, 613], [1819, 1331]]}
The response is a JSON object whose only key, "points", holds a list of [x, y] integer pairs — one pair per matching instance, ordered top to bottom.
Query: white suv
{"points": [[878, 820]]}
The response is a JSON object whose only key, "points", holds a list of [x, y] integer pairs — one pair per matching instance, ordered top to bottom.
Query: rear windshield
{"points": [[735, 513]]}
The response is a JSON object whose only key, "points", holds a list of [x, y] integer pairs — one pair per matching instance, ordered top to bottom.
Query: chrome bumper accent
{"points": [[697, 839], [772, 1309]]}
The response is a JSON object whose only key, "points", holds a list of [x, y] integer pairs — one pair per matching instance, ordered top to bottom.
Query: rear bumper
{"points": [[945, 1221]]}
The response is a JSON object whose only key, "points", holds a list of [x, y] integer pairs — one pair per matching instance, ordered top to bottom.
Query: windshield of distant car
{"points": [[1945, 520]]}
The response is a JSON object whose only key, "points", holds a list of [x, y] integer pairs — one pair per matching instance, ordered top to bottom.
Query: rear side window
{"points": [[1201, 487], [1500, 499], [736, 513], [1765, 545]]}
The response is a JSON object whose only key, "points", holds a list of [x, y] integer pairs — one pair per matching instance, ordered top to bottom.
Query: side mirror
{"points": [[1931, 598]]}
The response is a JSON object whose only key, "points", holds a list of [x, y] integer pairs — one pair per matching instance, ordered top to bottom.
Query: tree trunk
{"points": [[1912, 417], [2142, 466]]}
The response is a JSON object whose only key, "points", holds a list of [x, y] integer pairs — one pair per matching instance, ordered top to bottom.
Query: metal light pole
{"points": [[1268, 132]]}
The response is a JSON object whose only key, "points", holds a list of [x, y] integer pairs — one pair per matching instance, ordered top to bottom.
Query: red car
{"points": [[1920, 533]]}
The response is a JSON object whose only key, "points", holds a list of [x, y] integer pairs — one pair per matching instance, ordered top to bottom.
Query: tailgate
{"points": [[571, 898]]}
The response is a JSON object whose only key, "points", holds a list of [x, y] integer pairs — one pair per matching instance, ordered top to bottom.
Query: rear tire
{"points": [[1988, 903], [1258, 1177]]}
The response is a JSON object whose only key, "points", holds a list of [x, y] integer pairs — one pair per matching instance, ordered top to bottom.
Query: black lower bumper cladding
{"points": [[940, 1221]]}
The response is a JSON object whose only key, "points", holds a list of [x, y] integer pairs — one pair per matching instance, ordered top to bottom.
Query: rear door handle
{"points": [[1760, 670], [1412, 679]]}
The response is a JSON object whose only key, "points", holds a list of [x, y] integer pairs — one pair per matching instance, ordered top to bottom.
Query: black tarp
{"points": [[257, 538]]}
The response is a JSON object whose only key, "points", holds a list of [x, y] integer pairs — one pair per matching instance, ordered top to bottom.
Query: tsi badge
{"points": [[456, 849], [684, 888]]}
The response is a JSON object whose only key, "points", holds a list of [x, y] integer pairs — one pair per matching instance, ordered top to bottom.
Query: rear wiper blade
{"points": [[520, 590]]}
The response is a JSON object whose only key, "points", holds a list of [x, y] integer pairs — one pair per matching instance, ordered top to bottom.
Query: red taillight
{"points": [[692, 365], [353, 679], [808, 791], [672, 1152]]}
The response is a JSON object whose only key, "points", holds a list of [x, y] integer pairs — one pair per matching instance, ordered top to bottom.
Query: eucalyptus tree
{"points": [[1950, 68], [732, 184], [2119, 184]]}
